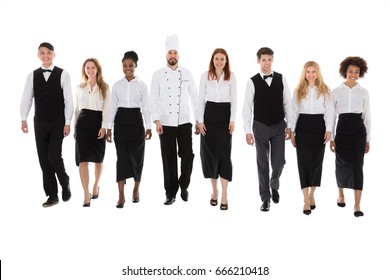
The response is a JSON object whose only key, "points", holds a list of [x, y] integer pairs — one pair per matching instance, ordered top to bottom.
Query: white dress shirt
{"points": [[217, 91], [133, 94], [170, 94], [28, 95], [90, 98], [352, 100], [312, 104], [247, 111]]}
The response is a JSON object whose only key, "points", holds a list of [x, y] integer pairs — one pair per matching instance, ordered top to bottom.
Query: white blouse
{"points": [[217, 91], [133, 94], [90, 98], [352, 100], [312, 104]]}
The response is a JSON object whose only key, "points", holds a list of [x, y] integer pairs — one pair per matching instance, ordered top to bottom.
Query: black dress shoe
{"points": [[66, 194], [184, 195], [275, 195], [135, 199], [52, 200], [169, 200], [265, 206], [312, 207], [307, 212], [358, 214]]}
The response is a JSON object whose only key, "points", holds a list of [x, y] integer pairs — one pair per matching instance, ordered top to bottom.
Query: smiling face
{"points": [[46, 56], [172, 58], [219, 61], [265, 62], [128, 66], [90, 70], [353, 73], [311, 75]]}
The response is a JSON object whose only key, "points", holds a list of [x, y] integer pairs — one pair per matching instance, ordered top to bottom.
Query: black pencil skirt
{"points": [[129, 137], [350, 142], [216, 145], [88, 147], [310, 147]]}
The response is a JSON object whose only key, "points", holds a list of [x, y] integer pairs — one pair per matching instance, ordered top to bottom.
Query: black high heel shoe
{"points": [[96, 195], [213, 202], [88, 204], [120, 204], [224, 206]]}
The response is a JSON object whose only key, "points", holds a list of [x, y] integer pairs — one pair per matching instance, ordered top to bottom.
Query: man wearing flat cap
{"points": [[172, 91]]}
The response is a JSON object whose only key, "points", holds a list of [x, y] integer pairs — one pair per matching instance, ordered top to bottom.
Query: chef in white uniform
{"points": [[172, 91]]}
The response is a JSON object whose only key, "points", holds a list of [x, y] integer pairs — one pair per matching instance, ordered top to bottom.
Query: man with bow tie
{"points": [[51, 90], [266, 111]]}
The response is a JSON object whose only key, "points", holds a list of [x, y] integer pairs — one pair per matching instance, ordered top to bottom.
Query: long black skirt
{"points": [[129, 137], [350, 142], [216, 145], [88, 147], [310, 147]]}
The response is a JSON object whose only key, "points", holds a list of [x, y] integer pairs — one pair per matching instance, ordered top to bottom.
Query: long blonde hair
{"points": [[103, 86], [301, 90]]}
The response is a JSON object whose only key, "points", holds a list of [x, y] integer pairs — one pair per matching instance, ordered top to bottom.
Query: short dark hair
{"points": [[46, 45], [264, 50], [131, 55], [356, 61]]}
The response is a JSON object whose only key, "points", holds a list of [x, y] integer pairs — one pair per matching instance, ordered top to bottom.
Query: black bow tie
{"points": [[46, 70], [268, 76]]}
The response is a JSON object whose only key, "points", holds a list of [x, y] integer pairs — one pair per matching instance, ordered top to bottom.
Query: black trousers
{"points": [[48, 138], [176, 141]]}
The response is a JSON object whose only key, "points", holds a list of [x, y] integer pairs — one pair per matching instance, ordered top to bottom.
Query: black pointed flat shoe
{"points": [[358, 214]]}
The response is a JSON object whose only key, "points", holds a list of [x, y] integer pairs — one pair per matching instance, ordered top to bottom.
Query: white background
{"points": [[71, 242]]}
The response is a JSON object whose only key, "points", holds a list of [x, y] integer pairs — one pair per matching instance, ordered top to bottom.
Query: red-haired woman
{"points": [[217, 108]]}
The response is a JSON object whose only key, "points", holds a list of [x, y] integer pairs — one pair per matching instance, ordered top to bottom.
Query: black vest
{"points": [[48, 95], [268, 100]]}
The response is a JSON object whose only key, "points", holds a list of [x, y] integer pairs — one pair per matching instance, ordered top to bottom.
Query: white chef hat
{"points": [[172, 43]]}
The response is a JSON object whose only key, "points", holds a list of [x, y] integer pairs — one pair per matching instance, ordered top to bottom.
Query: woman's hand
{"points": [[202, 128], [148, 134], [108, 136]]}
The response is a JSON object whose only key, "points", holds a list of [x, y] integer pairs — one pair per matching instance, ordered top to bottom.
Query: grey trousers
{"points": [[270, 145]]}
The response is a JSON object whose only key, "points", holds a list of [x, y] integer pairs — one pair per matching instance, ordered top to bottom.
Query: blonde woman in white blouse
{"points": [[217, 108], [91, 115], [311, 124], [353, 130]]}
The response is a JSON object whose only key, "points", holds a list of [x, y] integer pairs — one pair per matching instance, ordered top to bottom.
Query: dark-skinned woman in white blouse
{"points": [[129, 115], [353, 130]]}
